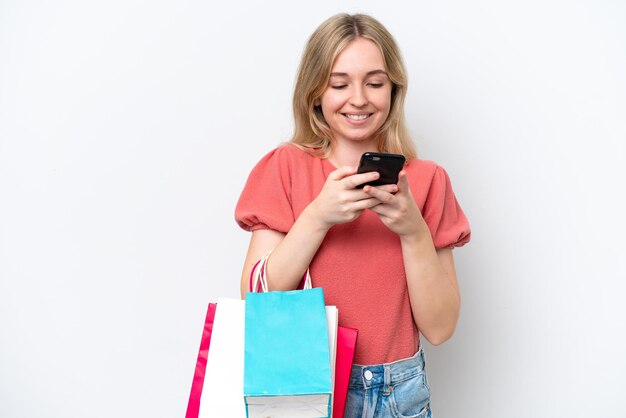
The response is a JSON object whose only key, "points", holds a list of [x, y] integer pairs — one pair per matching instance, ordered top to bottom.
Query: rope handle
{"points": [[258, 276]]}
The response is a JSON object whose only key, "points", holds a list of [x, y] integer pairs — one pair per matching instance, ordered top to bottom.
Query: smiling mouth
{"points": [[357, 117]]}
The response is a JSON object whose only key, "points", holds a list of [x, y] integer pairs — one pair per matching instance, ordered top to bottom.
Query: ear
{"points": [[317, 103]]}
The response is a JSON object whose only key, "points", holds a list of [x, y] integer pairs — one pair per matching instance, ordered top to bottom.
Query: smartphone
{"points": [[388, 165]]}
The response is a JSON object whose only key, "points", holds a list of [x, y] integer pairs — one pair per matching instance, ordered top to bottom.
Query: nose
{"points": [[358, 97]]}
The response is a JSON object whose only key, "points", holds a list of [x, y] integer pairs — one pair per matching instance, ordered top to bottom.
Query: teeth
{"points": [[357, 117]]}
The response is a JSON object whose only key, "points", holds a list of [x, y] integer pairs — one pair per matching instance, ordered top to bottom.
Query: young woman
{"points": [[383, 255]]}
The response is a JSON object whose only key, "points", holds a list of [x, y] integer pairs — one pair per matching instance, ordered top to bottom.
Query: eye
{"points": [[376, 85], [339, 86]]}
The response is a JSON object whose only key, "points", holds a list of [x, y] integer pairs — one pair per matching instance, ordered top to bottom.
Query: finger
{"points": [[342, 172], [358, 179], [389, 188], [359, 194], [354, 195], [383, 196], [370, 203], [384, 211]]}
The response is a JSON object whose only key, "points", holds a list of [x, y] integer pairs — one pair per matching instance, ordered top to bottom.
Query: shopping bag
{"points": [[332, 322], [345, 341], [337, 342], [346, 344], [287, 355], [222, 391], [193, 406]]}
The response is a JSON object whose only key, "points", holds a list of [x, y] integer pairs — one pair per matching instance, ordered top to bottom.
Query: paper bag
{"points": [[287, 364]]}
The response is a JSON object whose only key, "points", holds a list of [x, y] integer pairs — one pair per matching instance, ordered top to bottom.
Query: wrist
{"points": [[312, 216], [420, 235]]}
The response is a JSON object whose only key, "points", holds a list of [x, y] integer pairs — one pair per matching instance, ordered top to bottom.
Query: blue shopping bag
{"points": [[287, 369]]}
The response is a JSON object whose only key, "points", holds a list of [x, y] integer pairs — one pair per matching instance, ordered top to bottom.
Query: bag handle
{"points": [[258, 276]]}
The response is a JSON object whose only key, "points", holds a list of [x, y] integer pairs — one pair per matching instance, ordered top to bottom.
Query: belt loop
{"points": [[387, 380]]}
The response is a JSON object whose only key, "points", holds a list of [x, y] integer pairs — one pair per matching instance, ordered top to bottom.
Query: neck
{"points": [[349, 154]]}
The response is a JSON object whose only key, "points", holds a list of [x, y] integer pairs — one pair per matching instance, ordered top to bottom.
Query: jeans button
{"points": [[368, 375]]}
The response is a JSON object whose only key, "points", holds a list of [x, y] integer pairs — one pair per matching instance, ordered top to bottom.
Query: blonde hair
{"points": [[312, 133]]}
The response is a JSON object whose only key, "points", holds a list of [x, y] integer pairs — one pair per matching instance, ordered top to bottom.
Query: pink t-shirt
{"points": [[359, 264]]}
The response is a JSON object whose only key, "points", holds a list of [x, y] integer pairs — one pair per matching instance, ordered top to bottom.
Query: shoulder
{"points": [[289, 151], [285, 155], [287, 163], [421, 165], [423, 170], [429, 181]]}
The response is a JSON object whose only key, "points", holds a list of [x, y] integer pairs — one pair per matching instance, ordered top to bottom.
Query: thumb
{"points": [[403, 183]]}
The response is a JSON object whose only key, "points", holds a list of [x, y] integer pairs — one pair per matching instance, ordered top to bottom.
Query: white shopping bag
{"points": [[222, 392]]}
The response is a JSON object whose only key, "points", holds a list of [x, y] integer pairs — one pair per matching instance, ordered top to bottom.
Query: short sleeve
{"points": [[265, 202], [443, 214]]}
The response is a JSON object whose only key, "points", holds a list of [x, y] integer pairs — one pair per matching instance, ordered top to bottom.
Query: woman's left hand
{"points": [[398, 211]]}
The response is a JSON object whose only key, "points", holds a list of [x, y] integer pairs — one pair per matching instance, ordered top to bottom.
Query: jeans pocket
{"points": [[410, 398]]}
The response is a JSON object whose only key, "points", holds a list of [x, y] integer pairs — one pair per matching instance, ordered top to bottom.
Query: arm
{"points": [[338, 202], [292, 253], [430, 273], [433, 288]]}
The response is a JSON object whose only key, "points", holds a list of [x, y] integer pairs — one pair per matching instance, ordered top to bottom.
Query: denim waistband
{"points": [[387, 374]]}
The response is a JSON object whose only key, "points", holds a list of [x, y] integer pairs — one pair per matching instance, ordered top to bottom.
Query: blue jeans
{"points": [[398, 390]]}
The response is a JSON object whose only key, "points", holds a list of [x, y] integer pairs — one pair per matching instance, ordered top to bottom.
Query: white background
{"points": [[128, 128]]}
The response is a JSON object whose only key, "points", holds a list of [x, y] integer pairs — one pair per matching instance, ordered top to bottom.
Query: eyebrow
{"points": [[373, 72]]}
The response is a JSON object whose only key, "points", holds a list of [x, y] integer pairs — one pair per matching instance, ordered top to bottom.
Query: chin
{"points": [[360, 138]]}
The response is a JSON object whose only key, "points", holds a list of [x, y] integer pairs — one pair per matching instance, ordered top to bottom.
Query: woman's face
{"points": [[357, 99]]}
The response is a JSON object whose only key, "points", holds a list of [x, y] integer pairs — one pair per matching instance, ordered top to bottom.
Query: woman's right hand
{"points": [[340, 201]]}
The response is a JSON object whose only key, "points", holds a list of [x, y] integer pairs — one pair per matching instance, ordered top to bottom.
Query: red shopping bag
{"points": [[346, 343], [193, 407]]}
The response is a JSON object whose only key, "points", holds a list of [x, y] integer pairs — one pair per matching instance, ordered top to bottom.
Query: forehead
{"points": [[361, 54]]}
